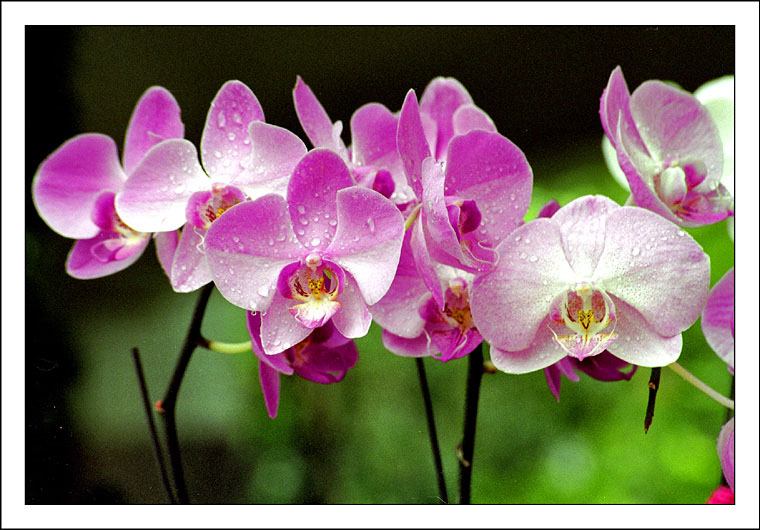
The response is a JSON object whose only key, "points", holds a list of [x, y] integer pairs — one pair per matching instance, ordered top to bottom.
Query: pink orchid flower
{"points": [[669, 149], [243, 158], [74, 188], [465, 208], [326, 252], [595, 276], [718, 319], [324, 356], [725, 449]]}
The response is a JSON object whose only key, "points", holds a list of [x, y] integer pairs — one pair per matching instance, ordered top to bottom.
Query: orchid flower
{"points": [[669, 149], [243, 158], [372, 159], [74, 188], [466, 208], [325, 252], [595, 276], [718, 319], [324, 356], [726, 451]]}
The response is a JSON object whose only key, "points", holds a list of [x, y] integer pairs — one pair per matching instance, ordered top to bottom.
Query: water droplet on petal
{"points": [[237, 118], [220, 119], [231, 136], [218, 154], [301, 209], [304, 221], [681, 233], [315, 242], [636, 251], [533, 259], [263, 291]]}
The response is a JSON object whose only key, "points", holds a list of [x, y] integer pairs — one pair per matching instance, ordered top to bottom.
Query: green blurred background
{"points": [[363, 440]]}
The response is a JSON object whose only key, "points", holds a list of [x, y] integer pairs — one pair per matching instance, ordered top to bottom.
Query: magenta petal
{"points": [[440, 99], [616, 113], [156, 117], [469, 117], [315, 121], [676, 127], [373, 136], [225, 143], [412, 143], [275, 153], [488, 168], [70, 179], [155, 196], [312, 196], [548, 209], [583, 226], [368, 240], [166, 245], [247, 247], [424, 262], [82, 264], [654, 266], [189, 269], [509, 303], [397, 310], [353, 319], [718, 319], [279, 330], [451, 342], [638, 342], [419, 346], [541, 352], [278, 361], [606, 367], [554, 372], [270, 387], [726, 451], [722, 495]]}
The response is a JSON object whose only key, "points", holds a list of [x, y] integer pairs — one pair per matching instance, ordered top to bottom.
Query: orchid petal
{"points": [[440, 99], [615, 112], [156, 117], [469, 117], [315, 121], [373, 135], [225, 143], [412, 143], [68, 181], [312, 194], [155, 196], [367, 243], [166, 246], [247, 247], [424, 262], [83, 265], [654, 266], [189, 269], [509, 303], [353, 319], [718, 319], [279, 330], [419, 346], [542, 351], [277, 361], [270, 387], [726, 451]]}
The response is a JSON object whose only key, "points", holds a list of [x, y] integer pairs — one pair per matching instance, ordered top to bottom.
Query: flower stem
{"points": [[630, 201], [193, 339], [228, 347], [689, 378], [654, 386], [472, 394], [152, 426], [431, 431]]}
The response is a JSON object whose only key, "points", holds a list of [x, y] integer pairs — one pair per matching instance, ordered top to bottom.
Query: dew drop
{"points": [[237, 118], [220, 119], [231, 136], [218, 154], [164, 188], [179, 189], [511, 196], [301, 209], [304, 221], [332, 222], [371, 225], [300, 231], [681, 233], [280, 237], [517, 238], [271, 241], [315, 242], [636, 251], [523, 255], [533, 259], [263, 291]]}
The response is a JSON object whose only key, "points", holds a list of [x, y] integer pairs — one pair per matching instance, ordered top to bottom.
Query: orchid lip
{"points": [[315, 285]]}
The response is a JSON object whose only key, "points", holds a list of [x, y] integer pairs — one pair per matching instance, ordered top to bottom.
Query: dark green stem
{"points": [[654, 386], [472, 394], [169, 403], [431, 431]]}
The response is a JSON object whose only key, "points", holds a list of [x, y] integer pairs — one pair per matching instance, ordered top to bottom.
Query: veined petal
{"points": [[440, 99], [615, 112], [156, 117], [469, 117], [315, 121], [675, 126], [373, 134], [225, 142], [412, 143], [274, 155], [489, 169], [71, 178], [312, 191], [154, 197], [583, 226], [367, 243], [247, 247], [424, 262], [82, 263], [656, 267], [189, 268], [509, 303], [353, 319], [718, 319], [279, 329], [638, 343], [419, 346], [542, 351], [279, 361]]}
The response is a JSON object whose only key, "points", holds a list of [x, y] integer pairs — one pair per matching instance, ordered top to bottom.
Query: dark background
{"points": [[540, 85]]}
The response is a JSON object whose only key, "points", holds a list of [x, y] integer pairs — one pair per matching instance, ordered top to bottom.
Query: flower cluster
{"points": [[418, 224]]}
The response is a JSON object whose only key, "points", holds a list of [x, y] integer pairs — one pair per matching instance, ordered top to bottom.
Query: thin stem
{"points": [[630, 201], [228, 347], [688, 377], [654, 386], [472, 394], [169, 403], [152, 426], [431, 431]]}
